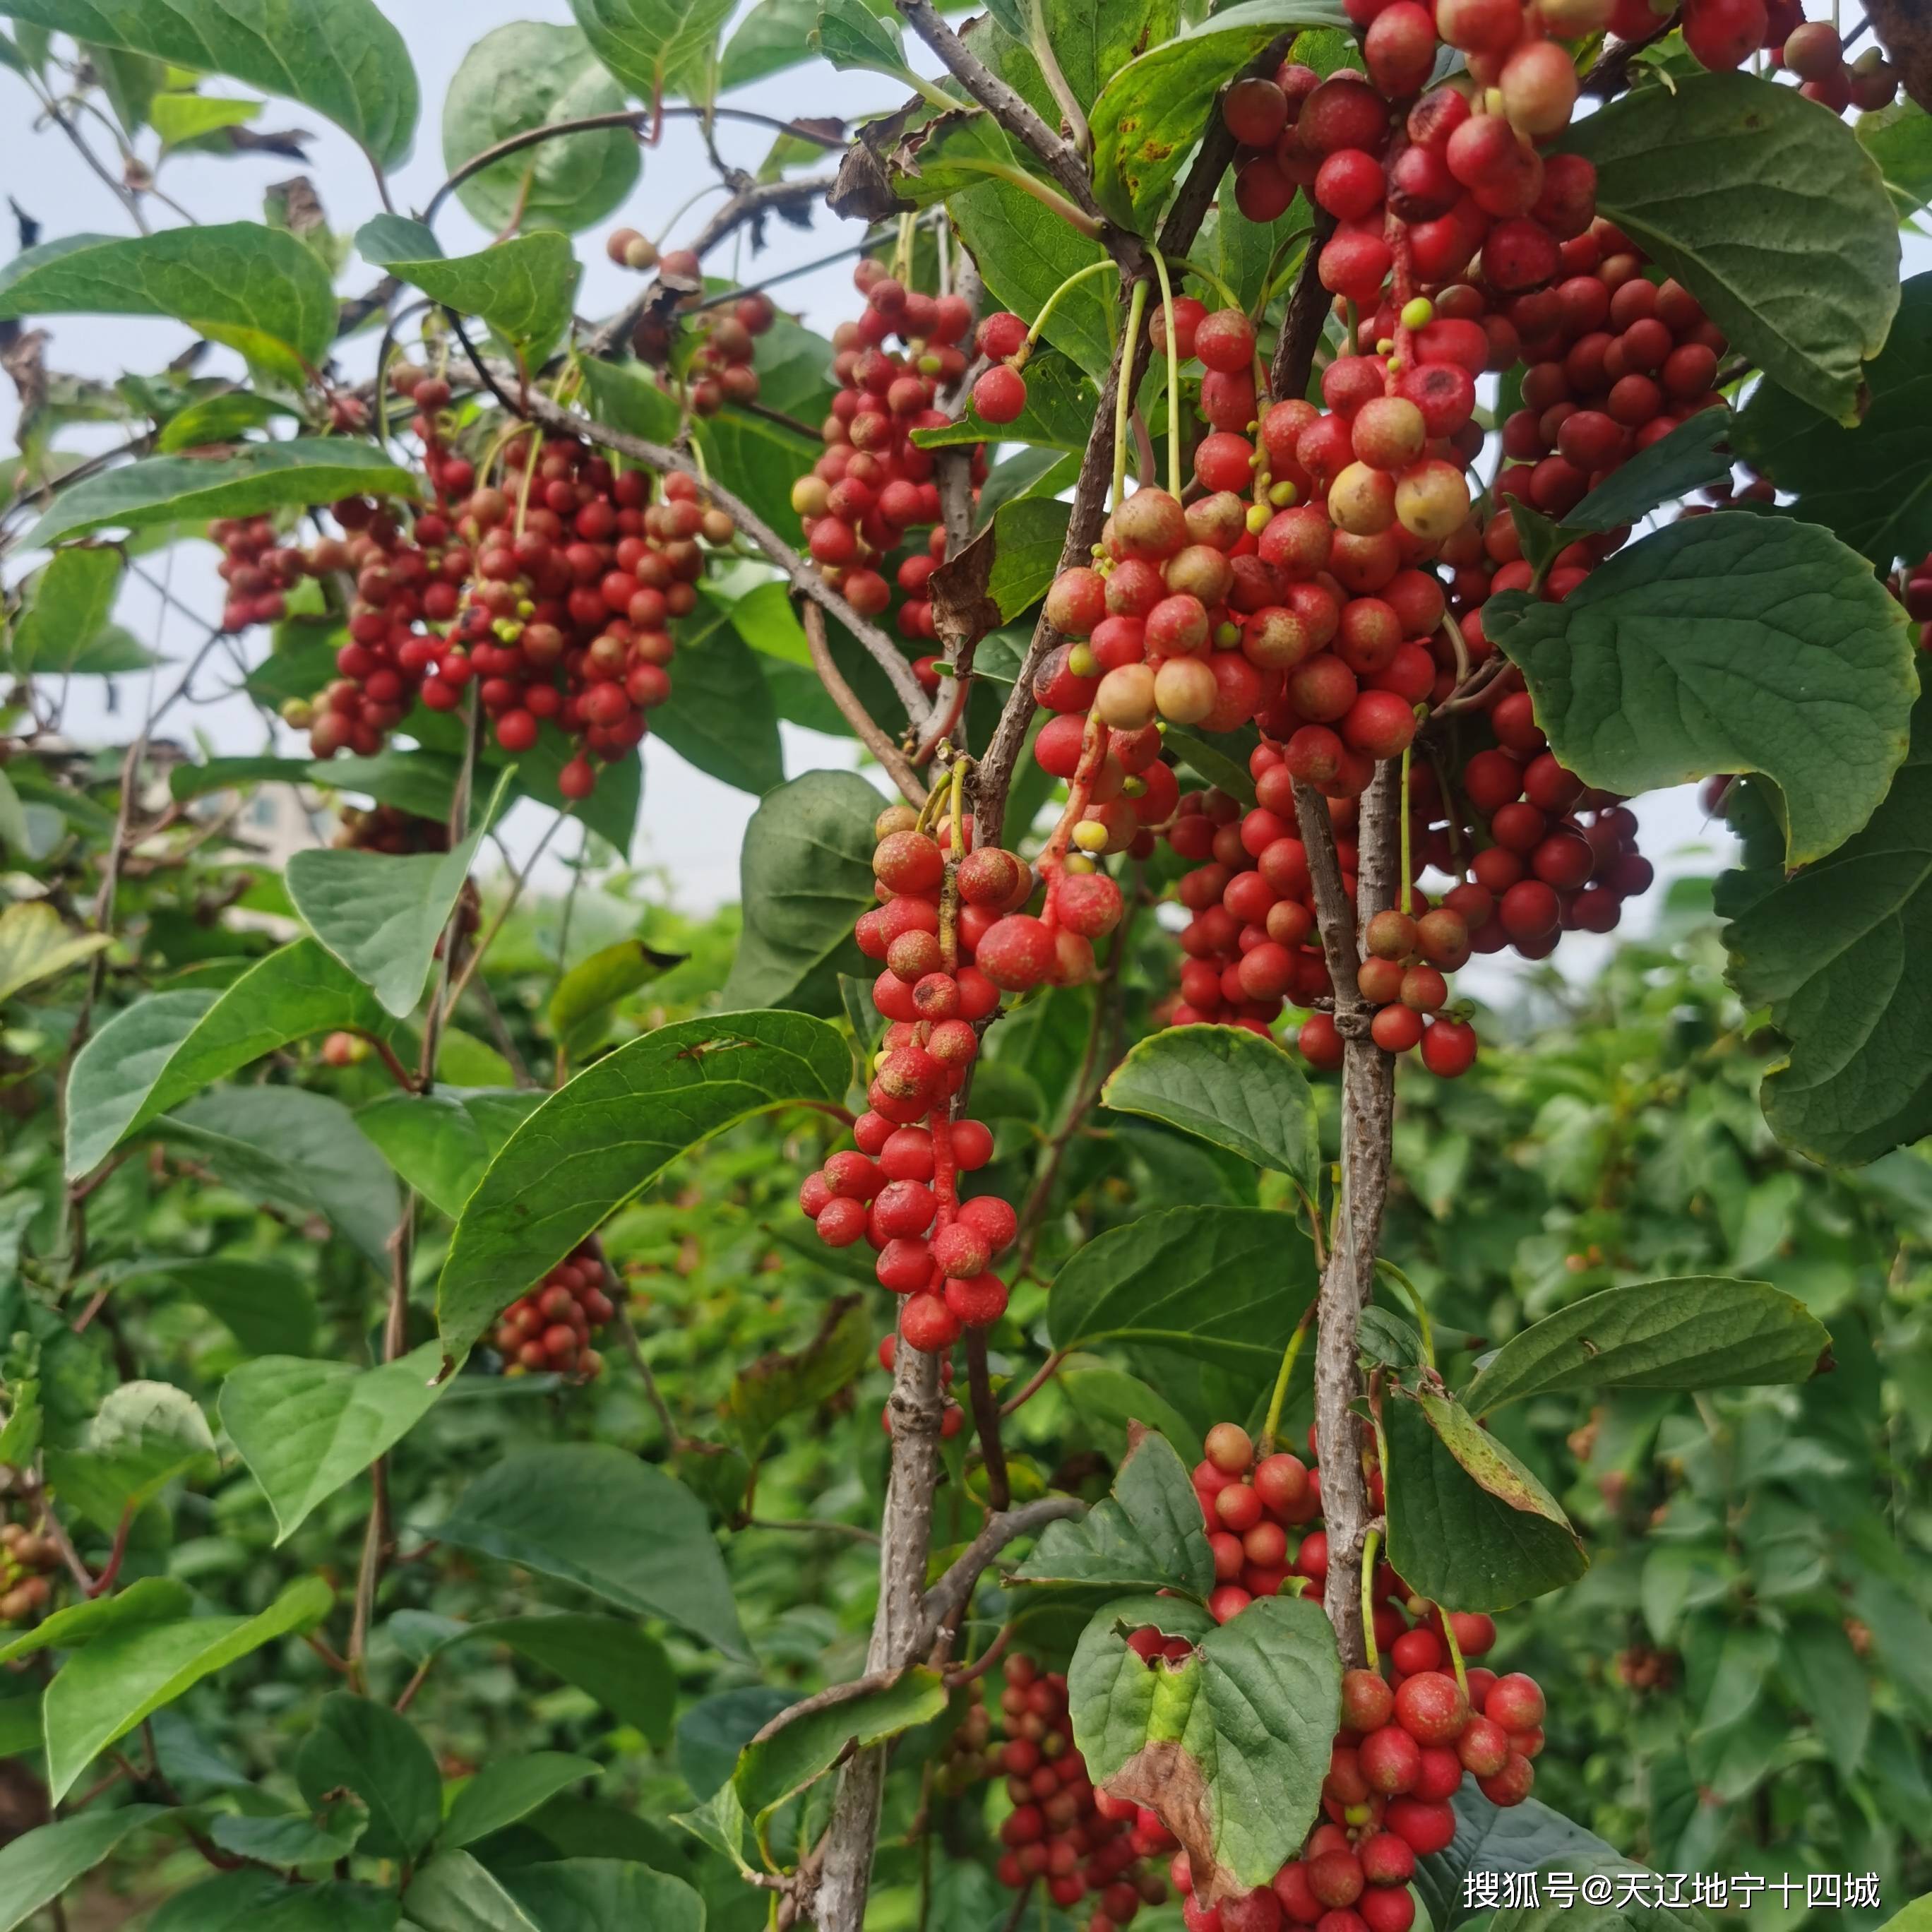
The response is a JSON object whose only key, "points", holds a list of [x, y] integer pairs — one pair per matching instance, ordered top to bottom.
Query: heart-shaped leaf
{"points": [[1146, 1535]]}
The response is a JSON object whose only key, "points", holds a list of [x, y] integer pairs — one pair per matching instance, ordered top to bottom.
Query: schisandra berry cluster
{"points": [[1726, 33], [723, 338], [874, 485], [551, 1326], [28, 1562], [1412, 1729], [1079, 1842]]}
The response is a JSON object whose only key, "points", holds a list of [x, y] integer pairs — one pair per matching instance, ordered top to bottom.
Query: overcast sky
{"points": [[691, 824]]}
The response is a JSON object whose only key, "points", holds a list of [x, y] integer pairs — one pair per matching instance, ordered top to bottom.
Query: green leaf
{"points": [[849, 34], [1093, 39], [649, 43], [342, 58], [526, 75], [1148, 116], [180, 117], [1899, 139], [1774, 218], [1025, 251], [524, 288], [257, 290], [626, 395], [1060, 405], [223, 418], [766, 457], [1026, 472], [251, 482], [1871, 483], [1028, 536], [72, 600], [1731, 643], [720, 716], [1209, 760], [420, 781], [804, 875], [383, 915], [35, 945], [580, 1009], [164, 1049], [1856, 1080], [1225, 1086], [612, 1130], [439, 1143], [298, 1149], [1221, 1285], [268, 1308], [1691, 1332], [777, 1385], [1109, 1396], [305, 1428], [145, 1434], [593, 1515], [1469, 1527], [1146, 1535], [150, 1600], [627, 1672], [1831, 1684], [104, 1691], [1229, 1745], [364, 1747], [785, 1757], [501, 1793], [290, 1840], [39, 1865], [453, 1893], [604, 1895], [1915, 1917]]}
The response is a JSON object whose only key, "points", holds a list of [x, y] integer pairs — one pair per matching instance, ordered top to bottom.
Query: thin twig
{"points": [[1308, 311], [865, 727], [518, 883], [814, 1527], [947, 1599]]}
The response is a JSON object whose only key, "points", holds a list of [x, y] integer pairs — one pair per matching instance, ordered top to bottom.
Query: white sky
{"points": [[691, 825]]}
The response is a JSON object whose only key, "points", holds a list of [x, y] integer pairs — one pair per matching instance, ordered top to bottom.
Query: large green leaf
{"points": [[848, 34], [647, 43], [343, 58], [530, 74], [1149, 114], [1899, 139], [1774, 218], [1024, 252], [524, 288], [256, 289], [1060, 405], [763, 459], [255, 482], [1872, 484], [1028, 535], [71, 603], [1732, 643], [720, 716], [804, 875], [382, 915], [35, 945], [1834, 952], [586, 997], [162, 1050], [1225, 1086], [611, 1131], [439, 1143], [286, 1145], [1222, 1285], [267, 1307], [1693, 1332], [763, 1393], [305, 1428], [144, 1435], [594, 1516], [1469, 1527], [1146, 1535], [149, 1600], [1831, 1683], [103, 1692], [1230, 1745], [364, 1747], [781, 1762], [509, 1788], [39, 1865], [453, 1893], [610, 1894]]}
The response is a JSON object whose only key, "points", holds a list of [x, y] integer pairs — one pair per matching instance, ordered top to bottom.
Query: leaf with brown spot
{"points": [[962, 612], [1230, 1744]]}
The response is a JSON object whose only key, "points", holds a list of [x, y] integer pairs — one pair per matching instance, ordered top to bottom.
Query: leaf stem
{"points": [[1088, 225], [1072, 281], [1173, 377], [1123, 395], [1415, 1301], [1278, 1399], [1370, 1544]]}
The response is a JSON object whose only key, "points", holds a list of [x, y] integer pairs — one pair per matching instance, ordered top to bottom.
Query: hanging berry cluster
{"points": [[874, 485], [257, 567], [551, 1328], [28, 1562], [1414, 1725], [1079, 1842]]}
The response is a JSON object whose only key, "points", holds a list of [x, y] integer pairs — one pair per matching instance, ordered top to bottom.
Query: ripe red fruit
{"points": [[1724, 33], [1000, 334], [1225, 341], [1000, 395], [1016, 952], [1449, 1048], [929, 1325], [1367, 1702], [1516, 1703], [1430, 1706], [1391, 1760], [1424, 1827], [1335, 1878]]}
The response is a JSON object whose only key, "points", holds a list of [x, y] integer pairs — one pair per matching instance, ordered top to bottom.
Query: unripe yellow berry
{"points": [[1090, 835]]}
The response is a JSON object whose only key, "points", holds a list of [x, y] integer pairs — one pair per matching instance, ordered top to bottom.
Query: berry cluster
{"points": [[1726, 33], [723, 339], [873, 484], [257, 568], [1916, 594], [388, 828], [938, 930], [550, 1328], [28, 1562], [1410, 1733], [1081, 1843]]}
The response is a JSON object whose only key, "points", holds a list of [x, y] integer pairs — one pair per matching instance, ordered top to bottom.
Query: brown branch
{"points": [[1190, 205], [1308, 310], [804, 579], [865, 727], [946, 1601]]}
